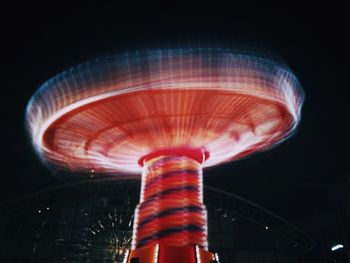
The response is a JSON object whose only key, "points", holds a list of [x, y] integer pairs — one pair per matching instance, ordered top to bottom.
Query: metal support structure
{"points": [[217, 200]]}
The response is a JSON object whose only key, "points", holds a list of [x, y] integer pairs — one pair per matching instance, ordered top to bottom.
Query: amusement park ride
{"points": [[166, 114]]}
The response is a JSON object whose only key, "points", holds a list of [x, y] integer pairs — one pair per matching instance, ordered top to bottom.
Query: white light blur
{"points": [[242, 75], [336, 247], [156, 253], [198, 255], [126, 256]]}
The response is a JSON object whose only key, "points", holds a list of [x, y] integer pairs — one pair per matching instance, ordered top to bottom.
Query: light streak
{"points": [[102, 116], [336, 247], [156, 253], [198, 255], [126, 256], [217, 258]]}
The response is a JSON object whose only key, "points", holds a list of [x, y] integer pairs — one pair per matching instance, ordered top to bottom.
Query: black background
{"points": [[299, 180]]}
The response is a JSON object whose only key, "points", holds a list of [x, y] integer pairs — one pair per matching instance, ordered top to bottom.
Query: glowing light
{"points": [[172, 111], [102, 116], [171, 211], [102, 239], [336, 247], [156, 253], [198, 255], [126, 256], [217, 257]]}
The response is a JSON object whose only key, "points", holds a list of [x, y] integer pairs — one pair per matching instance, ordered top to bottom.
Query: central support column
{"points": [[171, 209], [171, 218]]}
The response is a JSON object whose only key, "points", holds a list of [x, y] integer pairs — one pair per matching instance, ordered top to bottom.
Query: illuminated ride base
{"points": [[166, 113], [170, 222]]}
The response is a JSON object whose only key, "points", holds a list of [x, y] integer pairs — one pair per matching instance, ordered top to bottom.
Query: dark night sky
{"points": [[297, 180]]}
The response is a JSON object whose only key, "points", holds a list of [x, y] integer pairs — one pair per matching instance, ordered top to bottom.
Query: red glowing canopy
{"points": [[107, 114]]}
